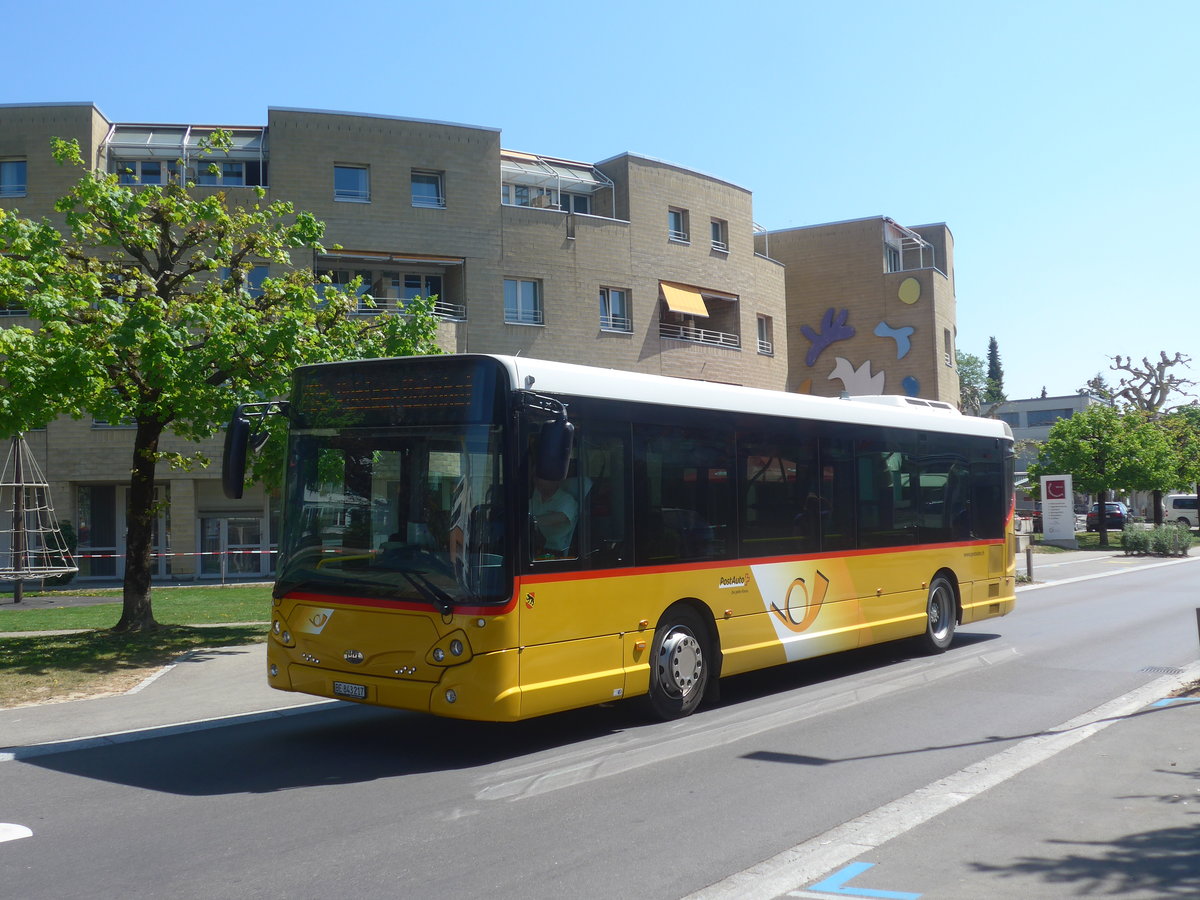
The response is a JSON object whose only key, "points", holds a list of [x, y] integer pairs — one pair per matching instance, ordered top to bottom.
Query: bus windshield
{"points": [[407, 511]]}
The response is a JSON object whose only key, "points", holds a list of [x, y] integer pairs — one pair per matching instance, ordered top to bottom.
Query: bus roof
{"points": [[885, 410]]}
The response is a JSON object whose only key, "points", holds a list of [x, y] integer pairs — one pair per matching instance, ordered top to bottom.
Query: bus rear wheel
{"points": [[941, 614], [680, 664]]}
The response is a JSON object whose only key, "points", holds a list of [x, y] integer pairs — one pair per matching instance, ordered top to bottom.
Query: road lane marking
{"points": [[1022, 588], [10, 832], [817, 857], [838, 883]]}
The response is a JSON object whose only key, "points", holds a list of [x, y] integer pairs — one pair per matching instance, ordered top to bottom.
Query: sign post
{"points": [[1058, 512]]}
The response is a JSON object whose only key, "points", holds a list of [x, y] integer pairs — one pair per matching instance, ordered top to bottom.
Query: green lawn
{"points": [[206, 605], [37, 667]]}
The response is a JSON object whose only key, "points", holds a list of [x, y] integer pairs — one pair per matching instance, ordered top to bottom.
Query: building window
{"points": [[146, 171], [228, 173], [12, 178], [352, 183], [427, 189], [526, 195], [575, 203], [677, 224], [720, 235], [892, 258], [254, 279], [340, 279], [522, 302], [614, 310], [948, 343], [766, 345], [1036, 417]]}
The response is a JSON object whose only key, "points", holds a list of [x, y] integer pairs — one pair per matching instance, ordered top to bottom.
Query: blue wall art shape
{"points": [[833, 329], [901, 336], [911, 385]]}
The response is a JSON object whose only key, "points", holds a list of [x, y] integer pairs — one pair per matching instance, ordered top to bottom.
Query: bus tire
{"points": [[941, 615], [681, 663]]}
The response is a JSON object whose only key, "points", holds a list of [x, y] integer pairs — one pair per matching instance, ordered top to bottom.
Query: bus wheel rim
{"points": [[939, 612], [680, 663]]}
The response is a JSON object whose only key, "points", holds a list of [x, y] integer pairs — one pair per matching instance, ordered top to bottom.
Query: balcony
{"points": [[451, 312], [699, 336]]}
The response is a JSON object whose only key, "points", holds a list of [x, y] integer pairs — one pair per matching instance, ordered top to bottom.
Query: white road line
{"points": [[1110, 574], [10, 832], [806, 862]]}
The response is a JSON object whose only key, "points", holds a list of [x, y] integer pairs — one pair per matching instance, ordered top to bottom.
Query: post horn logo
{"points": [[810, 608]]}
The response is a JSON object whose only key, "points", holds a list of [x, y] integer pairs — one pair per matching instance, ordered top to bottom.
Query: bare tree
{"points": [[1148, 388]]}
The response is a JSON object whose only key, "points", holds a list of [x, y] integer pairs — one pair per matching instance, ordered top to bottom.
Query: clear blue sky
{"points": [[1058, 140]]}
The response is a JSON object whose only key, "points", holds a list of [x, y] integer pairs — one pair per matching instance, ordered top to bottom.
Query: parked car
{"points": [[1181, 508], [1115, 516]]}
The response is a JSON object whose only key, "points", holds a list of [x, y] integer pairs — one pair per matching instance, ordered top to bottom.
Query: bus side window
{"points": [[683, 494], [781, 509], [604, 511]]}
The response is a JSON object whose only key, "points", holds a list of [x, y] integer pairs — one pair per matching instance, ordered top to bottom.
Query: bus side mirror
{"points": [[554, 449], [233, 458]]}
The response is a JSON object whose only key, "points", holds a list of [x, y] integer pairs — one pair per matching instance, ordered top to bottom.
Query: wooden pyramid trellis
{"points": [[31, 545]]}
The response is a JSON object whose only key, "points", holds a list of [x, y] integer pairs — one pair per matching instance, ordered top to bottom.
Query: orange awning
{"points": [[683, 299]]}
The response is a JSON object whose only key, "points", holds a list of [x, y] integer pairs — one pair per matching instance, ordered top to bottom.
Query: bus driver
{"points": [[555, 512]]}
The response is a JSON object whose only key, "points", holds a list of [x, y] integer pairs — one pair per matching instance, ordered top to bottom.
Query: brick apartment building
{"points": [[628, 263]]}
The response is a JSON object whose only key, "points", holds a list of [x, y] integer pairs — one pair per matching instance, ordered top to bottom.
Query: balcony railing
{"points": [[454, 312], [523, 316], [616, 323], [699, 335], [766, 348]]}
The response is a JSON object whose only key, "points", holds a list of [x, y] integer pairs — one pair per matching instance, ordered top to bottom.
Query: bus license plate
{"points": [[346, 689]]}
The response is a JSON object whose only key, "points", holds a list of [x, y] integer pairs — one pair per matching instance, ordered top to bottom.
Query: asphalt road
{"points": [[354, 801]]}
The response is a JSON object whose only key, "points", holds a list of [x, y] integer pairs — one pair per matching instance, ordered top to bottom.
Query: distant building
{"points": [[1031, 420]]}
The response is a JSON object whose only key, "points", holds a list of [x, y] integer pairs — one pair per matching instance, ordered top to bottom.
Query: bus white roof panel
{"points": [[586, 381]]}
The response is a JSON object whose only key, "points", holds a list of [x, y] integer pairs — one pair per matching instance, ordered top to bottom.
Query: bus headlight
{"points": [[452, 650]]}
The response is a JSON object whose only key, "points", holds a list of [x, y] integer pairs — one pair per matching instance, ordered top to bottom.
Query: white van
{"points": [[1181, 508]]}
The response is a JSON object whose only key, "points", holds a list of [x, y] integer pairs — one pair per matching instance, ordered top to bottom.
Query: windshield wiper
{"points": [[430, 591]]}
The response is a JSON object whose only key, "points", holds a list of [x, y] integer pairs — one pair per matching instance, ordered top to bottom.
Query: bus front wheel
{"points": [[941, 614], [680, 664]]}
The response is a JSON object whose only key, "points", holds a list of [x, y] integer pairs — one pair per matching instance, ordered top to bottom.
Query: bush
{"points": [[1165, 540], [1136, 541]]}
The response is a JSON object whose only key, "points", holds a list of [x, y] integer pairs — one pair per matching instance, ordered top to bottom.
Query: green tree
{"points": [[145, 315], [972, 382], [1149, 388], [994, 392], [1182, 426], [1100, 447]]}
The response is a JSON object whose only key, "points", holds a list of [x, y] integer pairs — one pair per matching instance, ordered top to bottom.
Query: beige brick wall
{"points": [[841, 266]]}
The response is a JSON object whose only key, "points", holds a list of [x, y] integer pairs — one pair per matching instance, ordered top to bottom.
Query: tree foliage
{"points": [[145, 315], [971, 382], [994, 390], [1104, 449]]}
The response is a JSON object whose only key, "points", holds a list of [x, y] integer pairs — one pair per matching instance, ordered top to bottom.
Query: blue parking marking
{"points": [[836, 884]]}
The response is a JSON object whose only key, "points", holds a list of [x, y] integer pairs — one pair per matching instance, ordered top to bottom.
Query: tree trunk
{"points": [[1158, 508], [137, 614]]}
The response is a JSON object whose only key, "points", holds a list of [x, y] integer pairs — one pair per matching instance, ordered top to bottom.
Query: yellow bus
{"points": [[497, 538]]}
